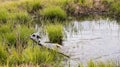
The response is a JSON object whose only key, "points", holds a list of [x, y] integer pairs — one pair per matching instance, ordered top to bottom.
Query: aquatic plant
{"points": [[53, 13], [55, 33], [91, 64]]}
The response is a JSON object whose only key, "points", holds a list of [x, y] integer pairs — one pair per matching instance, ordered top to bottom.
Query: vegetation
{"points": [[116, 6], [53, 13], [17, 19], [55, 33], [15, 43], [100, 64]]}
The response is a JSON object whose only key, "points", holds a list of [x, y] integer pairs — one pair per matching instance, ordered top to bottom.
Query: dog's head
{"points": [[36, 37]]}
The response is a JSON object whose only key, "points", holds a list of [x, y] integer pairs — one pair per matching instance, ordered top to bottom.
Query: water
{"points": [[97, 40]]}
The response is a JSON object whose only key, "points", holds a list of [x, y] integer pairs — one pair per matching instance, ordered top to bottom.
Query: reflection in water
{"points": [[96, 40]]}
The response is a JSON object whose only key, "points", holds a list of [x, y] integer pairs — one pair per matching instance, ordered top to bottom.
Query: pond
{"points": [[97, 40]]}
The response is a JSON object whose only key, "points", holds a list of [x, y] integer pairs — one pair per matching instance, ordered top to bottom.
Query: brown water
{"points": [[97, 40]]}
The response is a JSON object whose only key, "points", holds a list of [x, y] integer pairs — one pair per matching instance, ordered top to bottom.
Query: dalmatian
{"points": [[37, 38]]}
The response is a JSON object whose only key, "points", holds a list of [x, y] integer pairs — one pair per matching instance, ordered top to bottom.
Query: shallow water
{"points": [[97, 40]]}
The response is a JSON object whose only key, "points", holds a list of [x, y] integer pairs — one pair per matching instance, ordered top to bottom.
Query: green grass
{"points": [[30, 5], [116, 7], [23, 11], [53, 12], [3, 15], [15, 17], [20, 17], [4, 29], [55, 33], [16, 34], [10, 39], [3, 54], [33, 55], [92, 63]]}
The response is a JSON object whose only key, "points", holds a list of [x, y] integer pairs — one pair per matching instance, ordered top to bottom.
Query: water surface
{"points": [[97, 40]]}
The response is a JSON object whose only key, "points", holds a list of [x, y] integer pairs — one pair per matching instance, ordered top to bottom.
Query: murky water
{"points": [[97, 40]]}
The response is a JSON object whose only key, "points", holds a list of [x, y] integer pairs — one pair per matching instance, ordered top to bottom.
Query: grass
{"points": [[30, 5], [116, 6], [24, 11], [54, 12], [3, 15], [20, 17], [15, 28], [4, 29], [55, 33], [13, 38], [3, 54], [33, 55], [92, 63]]}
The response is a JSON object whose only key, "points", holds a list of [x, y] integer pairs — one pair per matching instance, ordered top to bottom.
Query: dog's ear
{"points": [[37, 30]]}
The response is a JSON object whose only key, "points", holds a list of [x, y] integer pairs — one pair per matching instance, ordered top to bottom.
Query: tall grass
{"points": [[61, 3], [30, 5], [116, 7], [53, 13], [3, 15], [21, 17], [4, 29], [55, 33], [15, 34], [19, 35], [3, 54], [33, 55], [39, 55], [92, 63]]}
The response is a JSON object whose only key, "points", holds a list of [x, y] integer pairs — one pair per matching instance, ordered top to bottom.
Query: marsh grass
{"points": [[30, 5], [116, 6], [53, 12], [3, 15], [20, 17], [4, 29], [14, 31], [55, 33], [16, 34], [10, 39], [3, 54], [33, 55], [92, 63]]}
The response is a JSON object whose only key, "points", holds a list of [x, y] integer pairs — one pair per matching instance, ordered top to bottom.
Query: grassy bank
{"points": [[23, 11], [17, 19], [17, 49]]}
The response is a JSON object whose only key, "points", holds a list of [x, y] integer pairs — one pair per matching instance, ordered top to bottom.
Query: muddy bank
{"points": [[80, 10]]}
